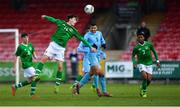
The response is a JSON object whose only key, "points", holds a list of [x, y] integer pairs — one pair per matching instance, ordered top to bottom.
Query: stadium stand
{"points": [[167, 38]]}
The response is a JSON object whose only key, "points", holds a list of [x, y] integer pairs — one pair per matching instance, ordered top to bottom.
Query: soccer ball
{"points": [[89, 9]]}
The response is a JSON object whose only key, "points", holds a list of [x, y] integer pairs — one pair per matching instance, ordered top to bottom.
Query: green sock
{"points": [[39, 68], [79, 77], [58, 78], [148, 82], [22, 84], [144, 85], [33, 87]]}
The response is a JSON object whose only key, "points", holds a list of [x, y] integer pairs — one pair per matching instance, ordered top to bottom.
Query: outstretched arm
{"points": [[49, 18], [79, 37], [82, 49]]}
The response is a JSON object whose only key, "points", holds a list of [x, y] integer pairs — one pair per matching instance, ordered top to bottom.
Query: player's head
{"points": [[72, 19], [143, 24], [93, 28], [25, 37], [140, 37]]}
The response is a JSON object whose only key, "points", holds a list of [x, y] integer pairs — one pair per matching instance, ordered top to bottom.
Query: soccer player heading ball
{"points": [[59, 39]]}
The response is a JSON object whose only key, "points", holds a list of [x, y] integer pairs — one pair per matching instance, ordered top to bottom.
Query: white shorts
{"points": [[55, 51], [145, 68], [29, 72]]}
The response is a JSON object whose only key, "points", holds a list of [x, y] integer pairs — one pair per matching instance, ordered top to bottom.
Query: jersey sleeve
{"points": [[53, 20], [79, 37], [102, 39], [82, 48], [18, 51], [154, 51], [103, 54], [133, 55]]}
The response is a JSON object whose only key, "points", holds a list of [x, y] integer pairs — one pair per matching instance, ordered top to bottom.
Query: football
{"points": [[89, 9]]}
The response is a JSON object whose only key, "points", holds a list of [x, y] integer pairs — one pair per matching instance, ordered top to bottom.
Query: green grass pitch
{"points": [[123, 95]]}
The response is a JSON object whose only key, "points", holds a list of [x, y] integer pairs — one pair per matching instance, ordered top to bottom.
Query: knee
{"points": [[44, 59], [59, 67], [100, 73], [149, 79], [30, 80]]}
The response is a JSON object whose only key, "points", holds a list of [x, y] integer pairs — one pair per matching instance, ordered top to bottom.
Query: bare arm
{"points": [[34, 55]]}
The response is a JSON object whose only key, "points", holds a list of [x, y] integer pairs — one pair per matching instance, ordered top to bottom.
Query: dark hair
{"points": [[72, 16], [93, 24], [141, 33], [24, 35]]}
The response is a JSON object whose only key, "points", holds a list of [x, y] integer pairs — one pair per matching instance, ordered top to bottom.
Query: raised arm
{"points": [[49, 18], [79, 37], [103, 42], [82, 48]]}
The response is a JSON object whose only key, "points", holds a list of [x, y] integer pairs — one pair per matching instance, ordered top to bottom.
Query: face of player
{"points": [[73, 21], [143, 24], [93, 29], [25, 39], [140, 39]]}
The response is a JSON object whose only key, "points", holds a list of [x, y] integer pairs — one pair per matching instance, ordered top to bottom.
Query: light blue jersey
{"points": [[98, 40], [83, 49], [93, 58], [86, 64]]}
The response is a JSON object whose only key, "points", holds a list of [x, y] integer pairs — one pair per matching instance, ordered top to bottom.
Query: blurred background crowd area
{"points": [[117, 19]]}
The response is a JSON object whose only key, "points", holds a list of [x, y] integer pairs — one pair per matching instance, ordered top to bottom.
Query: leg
{"points": [[40, 65], [28, 73], [58, 76], [149, 78], [83, 81], [95, 82], [103, 84], [144, 84], [19, 85], [33, 86]]}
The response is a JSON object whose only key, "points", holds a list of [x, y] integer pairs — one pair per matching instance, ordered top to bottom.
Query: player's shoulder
{"points": [[99, 32], [87, 33], [148, 43], [30, 44], [20, 45], [136, 45]]}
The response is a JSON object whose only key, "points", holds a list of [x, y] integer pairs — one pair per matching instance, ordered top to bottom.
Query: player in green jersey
{"points": [[65, 31], [26, 53], [144, 61]]}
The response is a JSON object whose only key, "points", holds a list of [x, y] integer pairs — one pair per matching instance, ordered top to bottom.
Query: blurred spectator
{"points": [[18, 4], [144, 29], [74, 62]]}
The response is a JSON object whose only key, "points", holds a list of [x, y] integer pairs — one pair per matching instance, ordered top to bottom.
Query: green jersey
{"points": [[64, 32], [25, 51], [143, 52]]}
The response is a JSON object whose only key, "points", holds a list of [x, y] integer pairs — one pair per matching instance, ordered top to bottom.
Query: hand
{"points": [[42, 16], [94, 46], [104, 46], [93, 49], [104, 55], [35, 57], [158, 64], [134, 66]]}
